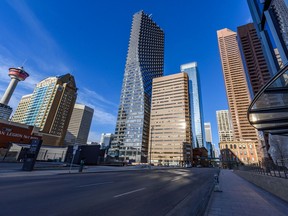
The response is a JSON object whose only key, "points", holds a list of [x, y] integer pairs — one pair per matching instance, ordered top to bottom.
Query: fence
{"points": [[269, 168]]}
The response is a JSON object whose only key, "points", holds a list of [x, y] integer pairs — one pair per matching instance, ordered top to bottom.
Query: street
{"points": [[147, 192]]}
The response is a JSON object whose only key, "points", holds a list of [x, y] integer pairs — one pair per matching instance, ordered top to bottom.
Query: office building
{"points": [[271, 22], [144, 62], [256, 67], [16, 75], [236, 87], [51, 106], [19, 114], [197, 119], [224, 123], [79, 125], [208, 132], [170, 135], [208, 137], [106, 139]]}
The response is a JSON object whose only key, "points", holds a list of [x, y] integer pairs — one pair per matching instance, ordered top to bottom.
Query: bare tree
{"points": [[279, 149]]}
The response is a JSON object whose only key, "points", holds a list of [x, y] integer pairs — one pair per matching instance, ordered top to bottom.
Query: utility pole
{"points": [[152, 128]]}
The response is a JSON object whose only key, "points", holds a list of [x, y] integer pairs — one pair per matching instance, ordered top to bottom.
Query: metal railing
{"points": [[269, 168]]}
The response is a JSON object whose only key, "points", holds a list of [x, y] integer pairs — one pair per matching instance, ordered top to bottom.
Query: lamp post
{"points": [[152, 128]]}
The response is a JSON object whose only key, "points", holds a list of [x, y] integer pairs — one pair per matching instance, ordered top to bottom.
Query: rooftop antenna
{"points": [[150, 15], [24, 63]]}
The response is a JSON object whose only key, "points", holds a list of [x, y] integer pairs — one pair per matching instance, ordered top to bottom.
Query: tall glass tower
{"points": [[271, 22], [144, 62], [196, 112]]}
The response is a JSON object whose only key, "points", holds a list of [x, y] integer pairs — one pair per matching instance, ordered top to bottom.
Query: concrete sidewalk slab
{"points": [[241, 198]]}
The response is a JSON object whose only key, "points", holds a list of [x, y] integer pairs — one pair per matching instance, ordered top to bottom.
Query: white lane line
{"points": [[176, 179], [101, 183], [123, 194]]}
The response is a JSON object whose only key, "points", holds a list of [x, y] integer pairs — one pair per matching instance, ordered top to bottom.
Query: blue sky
{"points": [[90, 39]]}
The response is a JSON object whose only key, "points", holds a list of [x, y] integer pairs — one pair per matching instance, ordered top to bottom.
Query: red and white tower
{"points": [[16, 75]]}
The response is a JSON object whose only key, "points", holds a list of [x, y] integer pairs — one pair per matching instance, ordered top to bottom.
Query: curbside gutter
{"points": [[183, 208]]}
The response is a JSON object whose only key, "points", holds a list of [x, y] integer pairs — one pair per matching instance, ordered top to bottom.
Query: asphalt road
{"points": [[149, 192]]}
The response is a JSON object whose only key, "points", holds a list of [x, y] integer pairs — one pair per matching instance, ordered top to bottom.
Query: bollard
{"points": [[81, 166], [216, 182]]}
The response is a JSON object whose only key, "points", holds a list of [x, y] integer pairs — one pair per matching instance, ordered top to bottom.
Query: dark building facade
{"points": [[254, 59], [145, 60]]}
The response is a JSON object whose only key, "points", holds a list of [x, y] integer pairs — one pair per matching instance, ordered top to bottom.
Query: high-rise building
{"points": [[271, 22], [144, 62], [256, 67], [16, 75], [236, 87], [51, 106], [20, 113], [197, 121], [79, 125], [225, 129], [208, 132], [170, 135], [106, 139]]}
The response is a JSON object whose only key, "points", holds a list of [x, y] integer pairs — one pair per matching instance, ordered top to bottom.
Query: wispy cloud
{"points": [[249, 20], [44, 50], [92, 96], [100, 106], [94, 136]]}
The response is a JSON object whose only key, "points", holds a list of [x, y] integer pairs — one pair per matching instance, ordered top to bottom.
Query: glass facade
{"points": [[271, 22], [144, 62], [40, 103], [196, 112]]}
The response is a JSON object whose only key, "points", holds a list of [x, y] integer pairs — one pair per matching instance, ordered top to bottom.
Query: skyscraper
{"points": [[271, 22], [254, 60], [144, 62], [16, 75], [236, 87], [51, 105], [196, 112], [20, 113], [79, 125], [225, 129], [208, 132], [170, 135], [208, 138], [105, 140]]}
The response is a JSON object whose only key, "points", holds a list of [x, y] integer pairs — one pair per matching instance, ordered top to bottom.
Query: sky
{"points": [[89, 39]]}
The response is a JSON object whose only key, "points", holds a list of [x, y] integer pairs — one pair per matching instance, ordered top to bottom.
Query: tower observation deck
{"points": [[16, 75]]}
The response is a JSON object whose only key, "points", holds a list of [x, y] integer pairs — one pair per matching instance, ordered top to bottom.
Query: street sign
{"points": [[75, 148]]}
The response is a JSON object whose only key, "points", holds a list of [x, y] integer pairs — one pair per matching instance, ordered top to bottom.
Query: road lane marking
{"points": [[176, 179], [101, 183], [130, 192]]}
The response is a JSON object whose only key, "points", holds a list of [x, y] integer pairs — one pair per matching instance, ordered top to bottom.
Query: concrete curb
{"points": [[107, 171], [51, 172], [180, 209], [205, 213]]}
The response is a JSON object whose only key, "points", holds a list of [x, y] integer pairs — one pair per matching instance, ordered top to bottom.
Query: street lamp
{"points": [[152, 128]]}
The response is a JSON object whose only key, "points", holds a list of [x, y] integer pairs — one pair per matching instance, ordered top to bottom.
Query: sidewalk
{"points": [[240, 198]]}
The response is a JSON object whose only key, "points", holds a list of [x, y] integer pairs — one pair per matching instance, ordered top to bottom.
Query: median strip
{"points": [[130, 192]]}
